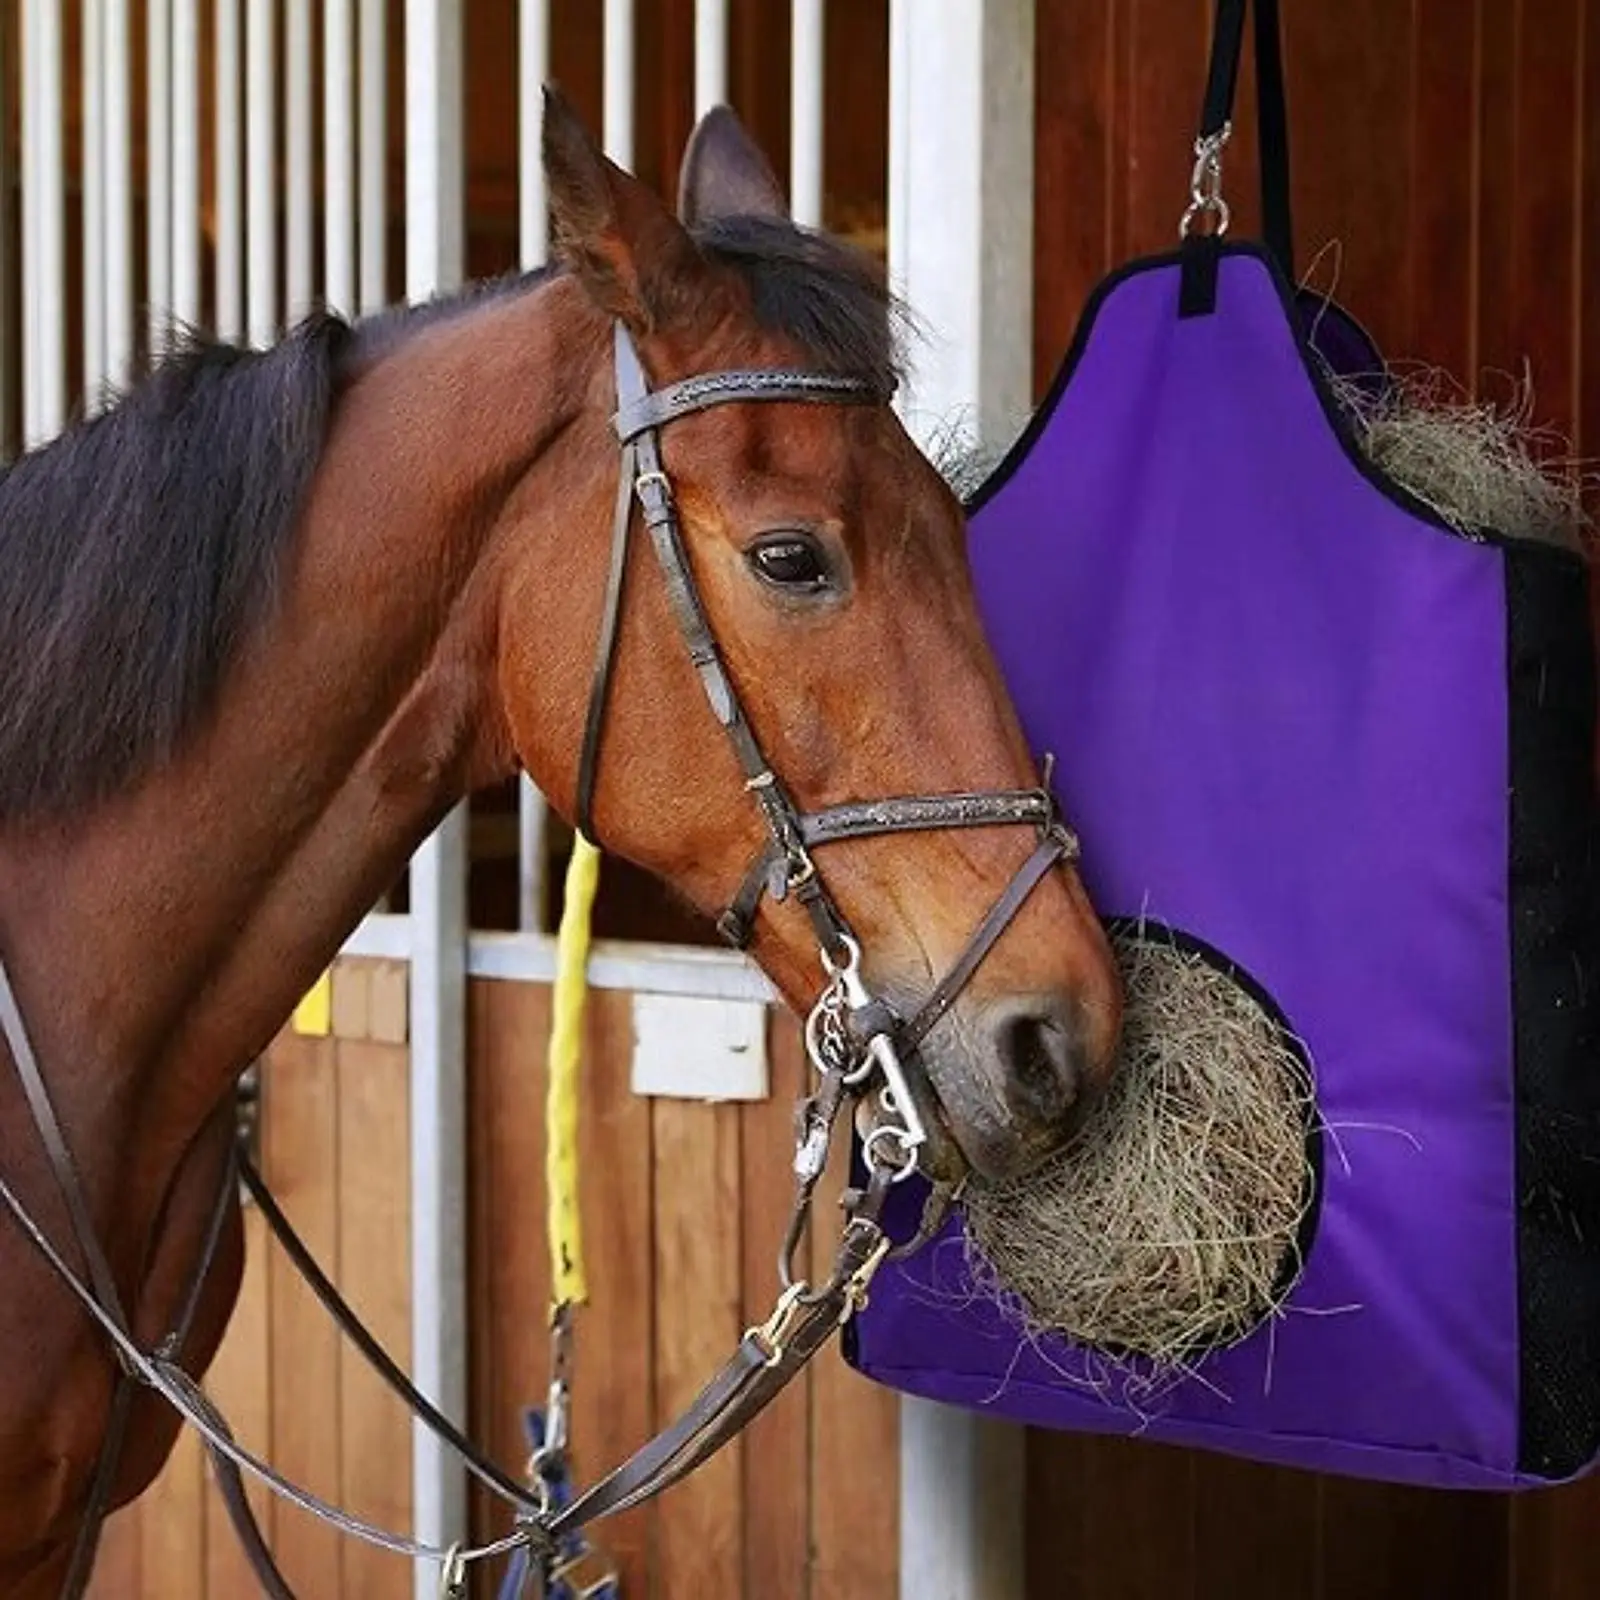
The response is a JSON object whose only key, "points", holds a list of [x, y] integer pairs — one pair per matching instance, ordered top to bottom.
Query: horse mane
{"points": [[141, 547]]}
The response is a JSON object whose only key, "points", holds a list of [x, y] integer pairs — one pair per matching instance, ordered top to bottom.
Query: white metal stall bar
{"points": [[710, 55], [533, 68], [805, 112], [616, 115], [338, 158], [374, 158], [186, 161], [158, 173], [230, 191], [298, 193], [117, 198], [94, 219], [261, 222], [434, 250], [961, 251], [44, 332]]}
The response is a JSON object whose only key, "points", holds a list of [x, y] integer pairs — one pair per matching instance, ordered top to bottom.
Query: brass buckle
{"points": [[859, 1281], [773, 1334]]}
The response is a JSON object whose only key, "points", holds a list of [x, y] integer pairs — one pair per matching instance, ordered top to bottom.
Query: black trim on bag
{"points": [[1337, 418], [1554, 895]]}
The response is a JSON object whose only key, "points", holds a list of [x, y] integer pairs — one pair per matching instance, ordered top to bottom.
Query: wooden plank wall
{"points": [[1447, 184], [334, 1141], [684, 1205]]}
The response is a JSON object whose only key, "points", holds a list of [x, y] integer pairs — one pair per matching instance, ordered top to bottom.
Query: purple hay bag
{"points": [[1181, 549]]}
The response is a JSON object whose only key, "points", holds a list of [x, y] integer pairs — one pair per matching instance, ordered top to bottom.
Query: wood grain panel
{"points": [[1072, 172], [1545, 213], [508, 1030], [301, 1144], [375, 1257], [241, 1381], [615, 1404], [855, 1447], [776, 1483], [173, 1511], [1139, 1520], [1256, 1530], [699, 1535], [1385, 1542], [1553, 1551], [117, 1564]]}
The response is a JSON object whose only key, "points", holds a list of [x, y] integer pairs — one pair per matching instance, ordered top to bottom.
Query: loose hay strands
{"points": [[1475, 463], [1171, 1223]]}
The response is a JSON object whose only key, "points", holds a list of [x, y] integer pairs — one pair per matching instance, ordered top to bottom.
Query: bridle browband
{"points": [[860, 1026], [854, 1041]]}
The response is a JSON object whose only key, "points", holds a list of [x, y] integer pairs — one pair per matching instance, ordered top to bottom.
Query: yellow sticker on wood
{"points": [[314, 1014]]}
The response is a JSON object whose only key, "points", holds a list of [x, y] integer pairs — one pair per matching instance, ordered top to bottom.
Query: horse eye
{"points": [[790, 561]]}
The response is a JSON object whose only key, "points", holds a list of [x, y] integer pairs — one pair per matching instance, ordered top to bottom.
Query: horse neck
{"points": [[159, 944]]}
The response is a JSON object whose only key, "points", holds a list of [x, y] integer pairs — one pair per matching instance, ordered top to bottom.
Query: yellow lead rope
{"points": [[567, 1283]]}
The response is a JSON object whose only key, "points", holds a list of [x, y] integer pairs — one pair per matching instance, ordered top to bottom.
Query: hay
{"points": [[1476, 464], [1171, 1223]]}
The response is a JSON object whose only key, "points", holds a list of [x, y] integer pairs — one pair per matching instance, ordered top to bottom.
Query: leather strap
{"points": [[647, 409], [375, 1355]]}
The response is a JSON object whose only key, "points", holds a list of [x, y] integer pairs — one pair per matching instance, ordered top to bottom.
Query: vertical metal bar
{"points": [[710, 54], [533, 65], [533, 68], [617, 87], [806, 125], [338, 158], [186, 161], [158, 172], [374, 175], [230, 189], [298, 195], [117, 196], [94, 217], [261, 222], [434, 244], [960, 248], [8, 319], [44, 345]]}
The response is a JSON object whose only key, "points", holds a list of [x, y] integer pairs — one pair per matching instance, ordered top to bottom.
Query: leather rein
{"points": [[855, 1042]]}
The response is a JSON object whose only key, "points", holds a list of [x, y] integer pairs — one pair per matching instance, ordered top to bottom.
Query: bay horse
{"points": [[276, 612]]}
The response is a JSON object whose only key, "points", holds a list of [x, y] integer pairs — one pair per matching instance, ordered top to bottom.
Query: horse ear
{"points": [[724, 173], [621, 242]]}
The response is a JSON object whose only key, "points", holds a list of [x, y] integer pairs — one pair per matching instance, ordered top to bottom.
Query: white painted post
{"points": [[710, 55], [533, 67], [616, 114], [806, 126], [338, 158], [186, 161], [158, 173], [374, 174], [230, 188], [117, 192], [298, 195], [261, 214], [94, 218], [434, 248], [960, 249], [44, 332]]}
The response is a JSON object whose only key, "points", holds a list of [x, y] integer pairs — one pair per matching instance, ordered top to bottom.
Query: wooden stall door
{"points": [[1447, 189], [334, 1148]]}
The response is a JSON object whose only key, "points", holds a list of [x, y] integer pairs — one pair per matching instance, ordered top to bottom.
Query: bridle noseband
{"points": [[849, 1031]]}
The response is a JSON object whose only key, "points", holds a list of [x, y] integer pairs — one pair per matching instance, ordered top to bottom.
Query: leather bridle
{"points": [[861, 1033], [854, 1040]]}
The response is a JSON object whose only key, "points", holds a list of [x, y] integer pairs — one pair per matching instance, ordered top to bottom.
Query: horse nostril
{"points": [[1042, 1058]]}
